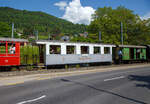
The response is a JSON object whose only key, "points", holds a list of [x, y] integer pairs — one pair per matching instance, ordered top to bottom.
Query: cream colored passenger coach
{"points": [[60, 52]]}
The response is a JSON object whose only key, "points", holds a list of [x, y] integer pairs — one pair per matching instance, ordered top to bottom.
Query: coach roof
{"points": [[13, 40], [55, 41], [132, 46]]}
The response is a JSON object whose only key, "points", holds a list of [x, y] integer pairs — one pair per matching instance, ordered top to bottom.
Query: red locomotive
{"points": [[10, 51]]}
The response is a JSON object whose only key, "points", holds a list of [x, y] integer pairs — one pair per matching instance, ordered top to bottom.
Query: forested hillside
{"points": [[27, 22]]}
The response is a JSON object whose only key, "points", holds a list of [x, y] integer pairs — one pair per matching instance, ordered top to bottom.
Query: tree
{"points": [[108, 20], [5, 30], [28, 31]]}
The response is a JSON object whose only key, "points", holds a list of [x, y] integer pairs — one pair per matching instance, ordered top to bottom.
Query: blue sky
{"points": [[140, 7]]}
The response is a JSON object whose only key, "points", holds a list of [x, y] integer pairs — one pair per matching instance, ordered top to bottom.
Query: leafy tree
{"points": [[108, 21], [5, 30], [28, 31]]}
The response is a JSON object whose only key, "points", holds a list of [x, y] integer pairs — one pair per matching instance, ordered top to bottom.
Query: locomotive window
{"points": [[2, 47], [11, 48], [55, 49], [70, 49], [84, 50], [97, 50], [106, 50]]}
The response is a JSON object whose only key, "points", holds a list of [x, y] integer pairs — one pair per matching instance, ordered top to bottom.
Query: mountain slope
{"points": [[44, 23]]}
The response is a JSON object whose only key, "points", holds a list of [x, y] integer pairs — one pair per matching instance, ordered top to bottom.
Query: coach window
{"points": [[2, 48], [11, 48], [55, 49], [70, 49], [84, 50], [97, 50], [106, 50]]}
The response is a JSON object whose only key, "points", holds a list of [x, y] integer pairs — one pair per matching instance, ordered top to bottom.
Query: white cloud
{"points": [[61, 5], [76, 13], [146, 16]]}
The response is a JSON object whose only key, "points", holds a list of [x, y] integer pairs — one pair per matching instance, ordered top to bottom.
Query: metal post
{"points": [[121, 33], [12, 34]]}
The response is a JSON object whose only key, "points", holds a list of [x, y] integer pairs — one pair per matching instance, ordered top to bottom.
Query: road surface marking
{"points": [[114, 78], [28, 101]]}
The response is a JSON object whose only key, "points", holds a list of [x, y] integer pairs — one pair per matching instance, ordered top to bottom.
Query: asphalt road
{"points": [[131, 86]]}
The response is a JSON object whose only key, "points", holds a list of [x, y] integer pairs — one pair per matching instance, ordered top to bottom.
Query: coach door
{"points": [[42, 53]]}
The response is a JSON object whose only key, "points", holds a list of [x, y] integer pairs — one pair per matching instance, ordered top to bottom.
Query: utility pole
{"points": [[121, 33], [12, 34]]}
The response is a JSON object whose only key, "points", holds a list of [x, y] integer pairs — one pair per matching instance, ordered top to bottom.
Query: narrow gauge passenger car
{"points": [[10, 51], [60, 53], [130, 53]]}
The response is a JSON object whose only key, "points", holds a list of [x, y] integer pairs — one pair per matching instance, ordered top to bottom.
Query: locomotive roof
{"points": [[13, 40], [55, 41], [132, 46]]}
